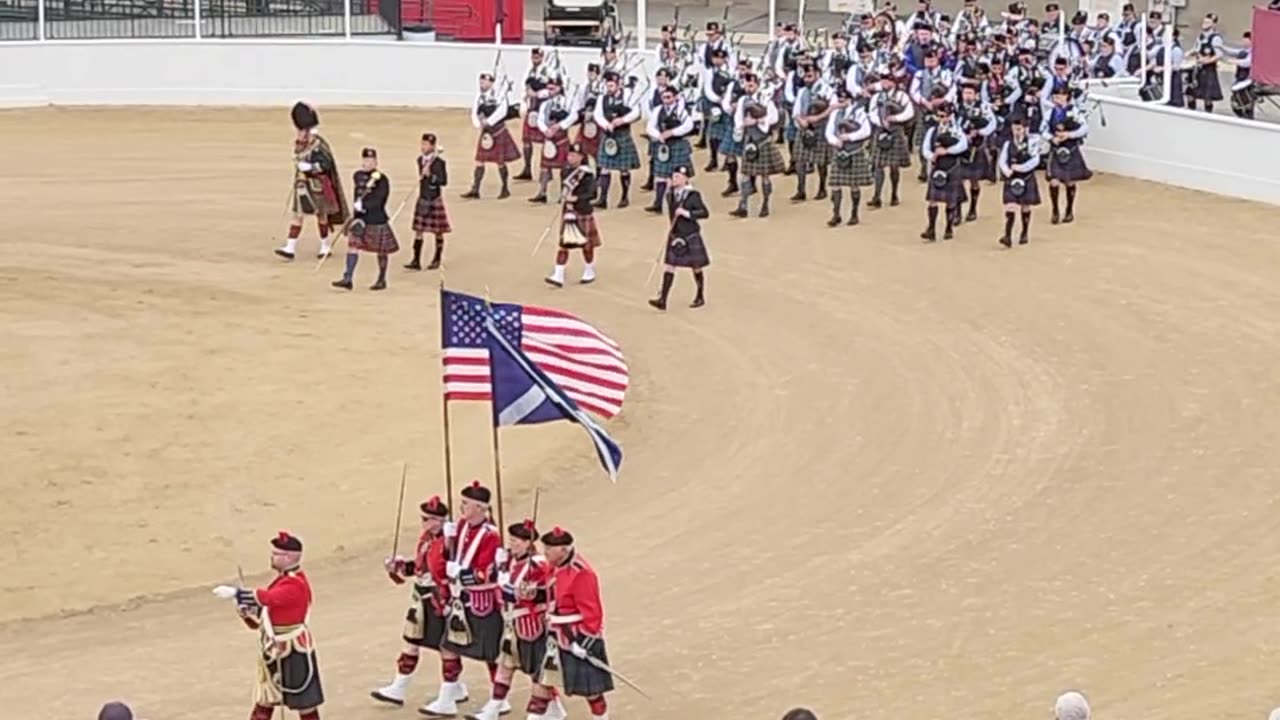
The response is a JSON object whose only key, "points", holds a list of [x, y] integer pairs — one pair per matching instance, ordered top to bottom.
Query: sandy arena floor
{"points": [[881, 478]]}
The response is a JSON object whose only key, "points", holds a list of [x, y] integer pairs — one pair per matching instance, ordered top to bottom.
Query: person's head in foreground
{"points": [[1071, 706], [115, 711], [800, 714]]}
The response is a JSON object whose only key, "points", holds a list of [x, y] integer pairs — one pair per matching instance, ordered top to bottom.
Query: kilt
{"points": [[1208, 86], [918, 128], [721, 129], [529, 132], [791, 132], [590, 145], [730, 147], [504, 148], [562, 151], [681, 154], [898, 154], [811, 157], [627, 158], [768, 160], [975, 165], [1072, 171], [853, 172], [952, 193], [1030, 196], [317, 197], [429, 216], [590, 229], [380, 239], [691, 253], [423, 626], [486, 638], [529, 653], [298, 671], [583, 679]]}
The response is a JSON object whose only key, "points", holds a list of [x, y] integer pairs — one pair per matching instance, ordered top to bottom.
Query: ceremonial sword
{"points": [[601, 665]]}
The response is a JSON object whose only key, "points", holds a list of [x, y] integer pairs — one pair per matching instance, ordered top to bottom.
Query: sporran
{"points": [[590, 130], [486, 141], [610, 147], [549, 149], [751, 152], [663, 153], [1062, 155], [939, 178], [1017, 187], [571, 235], [459, 630]]}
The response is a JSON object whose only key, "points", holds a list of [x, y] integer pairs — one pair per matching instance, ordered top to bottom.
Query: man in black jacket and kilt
{"points": [[614, 115], [753, 118], [979, 124], [1067, 128], [847, 133], [494, 143], [944, 144], [1018, 162], [429, 215], [578, 228], [370, 231], [685, 246], [576, 659]]}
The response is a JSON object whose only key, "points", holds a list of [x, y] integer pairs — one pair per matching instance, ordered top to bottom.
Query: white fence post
{"points": [[198, 17], [773, 17], [346, 18], [799, 18], [642, 25], [40, 29], [1169, 69]]}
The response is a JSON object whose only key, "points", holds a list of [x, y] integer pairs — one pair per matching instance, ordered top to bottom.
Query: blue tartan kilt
{"points": [[721, 129], [791, 132], [730, 147], [681, 154], [627, 157]]}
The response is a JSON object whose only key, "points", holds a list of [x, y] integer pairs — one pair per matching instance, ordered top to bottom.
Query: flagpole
{"points": [[497, 449], [448, 451]]}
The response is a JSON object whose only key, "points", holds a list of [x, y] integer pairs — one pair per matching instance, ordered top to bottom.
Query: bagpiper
{"points": [[661, 81], [715, 84], [931, 86], [1207, 87], [535, 92], [584, 105], [889, 112], [614, 114], [555, 116], [753, 118], [979, 125], [669, 128], [1067, 128], [847, 132], [494, 144], [731, 144], [944, 144], [811, 151], [1018, 162], [317, 185], [429, 215], [578, 228], [371, 230], [685, 246], [473, 619], [425, 621], [524, 639], [576, 659], [288, 673]]}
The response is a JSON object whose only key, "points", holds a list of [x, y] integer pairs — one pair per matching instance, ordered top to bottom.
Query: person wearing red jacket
{"points": [[473, 616], [575, 617], [424, 623], [287, 670]]}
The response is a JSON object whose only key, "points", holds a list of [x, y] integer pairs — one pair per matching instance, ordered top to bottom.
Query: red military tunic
{"points": [[476, 551], [529, 577], [575, 592], [287, 598]]}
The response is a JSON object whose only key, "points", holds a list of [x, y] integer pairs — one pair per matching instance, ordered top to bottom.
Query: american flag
{"points": [[587, 364]]}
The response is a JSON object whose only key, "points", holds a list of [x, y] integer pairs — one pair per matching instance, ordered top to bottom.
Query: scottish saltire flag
{"points": [[581, 361]]}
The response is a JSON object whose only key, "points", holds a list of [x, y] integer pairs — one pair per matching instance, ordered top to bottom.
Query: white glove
{"points": [[305, 166], [359, 206], [450, 529], [501, 556], [391, 562], [453, 570], [504, 578], [226, 592], [578, 651]]}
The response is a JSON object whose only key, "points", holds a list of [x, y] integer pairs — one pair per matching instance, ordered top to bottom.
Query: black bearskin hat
{"points": [[304, 116]]}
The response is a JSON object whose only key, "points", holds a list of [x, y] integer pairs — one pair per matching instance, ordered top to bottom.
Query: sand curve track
{"points": [[877, 477]]}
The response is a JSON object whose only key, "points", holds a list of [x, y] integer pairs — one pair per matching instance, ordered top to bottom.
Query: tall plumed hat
{"points": [[304, 116]]}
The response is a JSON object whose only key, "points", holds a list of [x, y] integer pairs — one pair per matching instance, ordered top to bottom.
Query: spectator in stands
{"points": [[1071, 705], [115, 711]]}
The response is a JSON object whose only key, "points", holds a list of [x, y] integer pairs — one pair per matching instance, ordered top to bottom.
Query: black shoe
{"points": [[701, 145], [711, 167], [791, 169], [524, 176], [922, 177], [647, 187], [727, 192], [472, 194], [504, 194], [822, 195], [799, 197], [538, 199], [894, 201], [624, 202], [600, 204], [875, 204], [655, 209], [764, 210], [739, 212], [972, 216], [1069, 217], [1055, 218], [853, 219], [834, 221], [948, 234], [929, 236], [1023, 240], [1005, 241], [284, 253], [435, 264], [413, 265], [344, 283], [380, 285], [697, 302], [658, 303]]}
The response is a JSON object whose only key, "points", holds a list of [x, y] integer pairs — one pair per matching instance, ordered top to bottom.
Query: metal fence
{"points": [[92, 19]]}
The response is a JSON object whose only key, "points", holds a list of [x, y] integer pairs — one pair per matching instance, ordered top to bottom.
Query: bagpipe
{"points": [[887, 108], [1068, 123], [810, 135], [848, 149], [356, 227]]}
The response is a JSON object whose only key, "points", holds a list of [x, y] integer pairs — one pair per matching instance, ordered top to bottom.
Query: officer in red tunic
{"points": [[473, 617], [576, 619], [424, 623], [288, 674]]}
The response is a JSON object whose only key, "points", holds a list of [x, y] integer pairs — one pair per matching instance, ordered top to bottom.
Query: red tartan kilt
{"points": [[529, 132], [590, 146], [504, 148], [562, 153], [429, 216], [591, 230], [380, 239]]}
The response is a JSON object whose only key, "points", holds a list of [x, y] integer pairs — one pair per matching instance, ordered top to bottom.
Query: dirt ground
{"points": [[881, 478]]}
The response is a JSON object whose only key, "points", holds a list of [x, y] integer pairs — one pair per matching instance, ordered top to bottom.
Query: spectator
{"points": [[1071, 706], [115, 711]]}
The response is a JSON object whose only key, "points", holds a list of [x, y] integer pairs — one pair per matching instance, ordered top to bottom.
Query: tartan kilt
{"points": [[1208, 85], [721, 129], [918, 129], [529, 132], [791, 132], [590, 145], [993, 145], [730, 147], [504, 148], [562, 151], [681, 154], [897, 154], [628, 157], [811, 157], [768, 161], [976, 165], [1072, 171], [853, 172], [950, 194], [1029, 197], [319, 200], [430, 216], [590, 230], [380, 239], [692, 253], [422, 619], [486, 637], [530, 653], [298, 671], [583, 679]]}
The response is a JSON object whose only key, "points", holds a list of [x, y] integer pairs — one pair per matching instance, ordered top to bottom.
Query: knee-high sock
{"points": [[715, 152], [527, 153], [504, 174], [477, 176], [878, 177], [895, 177], [625, 178], [544, 179], [606, 179], [801, 179], [822, 179], [747, 187], [766, 188], [974, 191], [1054, 192], [659, 193], [837, 198], [855, 199], [1071, 199], [952, 212], [933, 218], [1026, 221], [1008, 223], [417, 249], [439, 252], [352, 259], [382, 267], [668, 278], [700, 279], [406, 663], [599, 706], [262, 712], [309, 715]]}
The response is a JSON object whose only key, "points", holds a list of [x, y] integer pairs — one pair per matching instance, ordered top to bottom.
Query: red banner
{"points": [[1266, 46]]}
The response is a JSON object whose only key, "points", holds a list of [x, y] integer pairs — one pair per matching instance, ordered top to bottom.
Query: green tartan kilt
{"points": [[721, 129], [730, 147], [681, 154], [897, 154], [627, 157], [811, 157], [768, 161], [854, 171]]}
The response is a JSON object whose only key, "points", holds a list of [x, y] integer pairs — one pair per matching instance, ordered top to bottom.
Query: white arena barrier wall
{"points": [[1214, 153]]}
